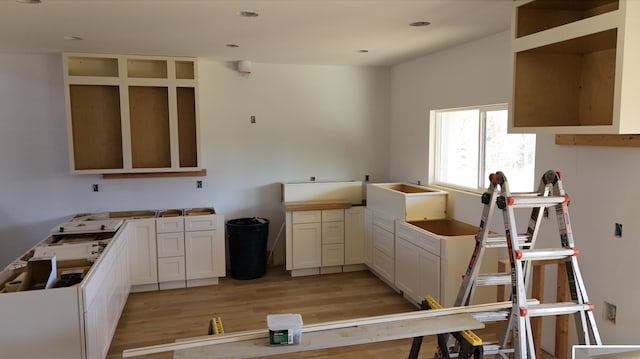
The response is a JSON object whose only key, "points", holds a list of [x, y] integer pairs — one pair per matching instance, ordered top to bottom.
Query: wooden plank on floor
{"points": [[370, 333]]}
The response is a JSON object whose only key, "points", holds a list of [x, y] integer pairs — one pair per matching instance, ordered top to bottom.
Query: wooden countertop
{"points": [[316, 205]]}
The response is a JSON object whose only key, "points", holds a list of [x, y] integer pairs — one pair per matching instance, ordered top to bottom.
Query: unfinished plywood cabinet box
{"points": [[574, 66], [131, 114]]}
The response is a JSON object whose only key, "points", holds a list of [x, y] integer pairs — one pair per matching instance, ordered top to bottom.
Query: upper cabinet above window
{"points": [[576, 66], [131, 114]]}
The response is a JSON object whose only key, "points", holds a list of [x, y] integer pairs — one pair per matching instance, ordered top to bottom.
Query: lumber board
{"points": [[599, 140], [199, 173], [316, 205], [262, 334], [336, 338]]}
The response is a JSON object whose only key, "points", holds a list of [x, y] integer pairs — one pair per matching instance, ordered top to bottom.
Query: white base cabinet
{"points": [[325, 241], [433, 264], [70, 322]]}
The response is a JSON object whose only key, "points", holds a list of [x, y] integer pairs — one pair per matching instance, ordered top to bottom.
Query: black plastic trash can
{"points": [[247, 239]]}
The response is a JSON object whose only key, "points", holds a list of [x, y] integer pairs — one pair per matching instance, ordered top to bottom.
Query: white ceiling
{"points": [[286, 31]]}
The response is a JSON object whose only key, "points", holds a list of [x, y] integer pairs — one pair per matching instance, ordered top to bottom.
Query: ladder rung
{"points": [[538, 201], [500, 241], [546, 254], [493, 279], [562, 308], [495, 349]]}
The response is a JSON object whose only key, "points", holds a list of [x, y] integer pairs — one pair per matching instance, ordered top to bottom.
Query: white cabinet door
{"points": [[354, 236], [307, 245], [200, 254], [332, 255], [143, 262], [406, 267], [417, 271], [428, 280]]}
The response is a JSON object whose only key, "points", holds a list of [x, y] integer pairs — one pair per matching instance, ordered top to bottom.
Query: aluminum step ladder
{"points": [[517, 339]]}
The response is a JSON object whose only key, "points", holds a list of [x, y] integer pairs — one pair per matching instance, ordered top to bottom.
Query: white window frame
{"points": [[434, 130]]}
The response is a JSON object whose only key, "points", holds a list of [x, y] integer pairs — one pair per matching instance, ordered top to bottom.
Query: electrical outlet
{"points": [[253, 119], [312, 178], [366, 178], [198, 184], [95, 188], [618, 230], [610, 312]]}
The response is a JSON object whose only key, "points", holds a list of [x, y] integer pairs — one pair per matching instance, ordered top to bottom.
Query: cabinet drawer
{"points": [[332, 215], [306, 216], [384, 222], [200, 223], [168, 225], [406, 231], [332, 232], [418, 237], [383, 241], [428, 242], [170, 244], [332, 255], [171, 268]]}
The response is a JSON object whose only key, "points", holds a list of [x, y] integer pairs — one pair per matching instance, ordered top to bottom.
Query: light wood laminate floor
{"points": [[163, 316]]}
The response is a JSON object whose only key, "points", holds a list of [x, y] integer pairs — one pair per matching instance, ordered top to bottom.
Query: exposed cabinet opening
{"points": [[542, 15], [92, 66], [143, 68], [184, 70], [569, 83], [149, 121], [95, 124], [187, 138]]}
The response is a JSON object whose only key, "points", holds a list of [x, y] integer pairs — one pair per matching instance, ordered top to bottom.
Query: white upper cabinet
{"points": [[575, 67], [131, 114]]}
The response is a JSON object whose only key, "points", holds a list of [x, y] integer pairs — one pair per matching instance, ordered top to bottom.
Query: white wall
{"points": [[324, 121], [602, 182]]}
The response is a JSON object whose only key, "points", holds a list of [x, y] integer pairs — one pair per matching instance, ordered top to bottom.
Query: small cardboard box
{"points": [[41, 273], [284, 328]]}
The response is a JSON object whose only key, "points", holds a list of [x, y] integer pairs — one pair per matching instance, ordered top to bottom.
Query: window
{"points": [[471, 143]]}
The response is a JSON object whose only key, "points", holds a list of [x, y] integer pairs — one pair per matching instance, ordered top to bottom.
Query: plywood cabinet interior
{"points": [[573, 67], [131, 114]]}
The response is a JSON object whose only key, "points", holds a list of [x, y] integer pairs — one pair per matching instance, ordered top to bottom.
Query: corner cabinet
{"points": [[575, 66], [131, 114]]}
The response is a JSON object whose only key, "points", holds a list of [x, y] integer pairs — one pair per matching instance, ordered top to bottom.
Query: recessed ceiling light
{"points": [[29, 1], [248, 14], [420, 23], [73, 38], [232, 45], [363, 51]]}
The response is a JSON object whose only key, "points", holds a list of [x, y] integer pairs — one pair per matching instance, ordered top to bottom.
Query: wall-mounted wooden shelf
{"points": [[599, 140], [200, 173]]}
